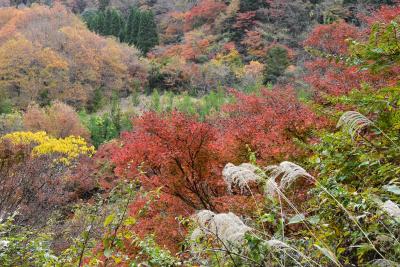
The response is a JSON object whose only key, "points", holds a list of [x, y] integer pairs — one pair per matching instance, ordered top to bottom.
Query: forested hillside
{"points": [[200, 133]]}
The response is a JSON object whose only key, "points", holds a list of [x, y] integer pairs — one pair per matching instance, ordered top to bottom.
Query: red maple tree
{"points": [[335, 77], [267, 124], [174, 152]]}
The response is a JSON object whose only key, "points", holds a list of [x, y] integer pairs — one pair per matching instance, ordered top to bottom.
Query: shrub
{"points": [[58, 120], [11, 123], [34, 170], [20, 246]]}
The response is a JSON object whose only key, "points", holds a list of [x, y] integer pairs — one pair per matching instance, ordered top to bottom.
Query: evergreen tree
{"points": [[103, 4], [251, 5], [108, 16], [90, 18], [100, 23], [116, 24], [132, 26], [139, 29], [147, 35], [276, 62], [135, 97], [96, 101], [155, 101], [170, 101], [186, 105], [116, 113]]}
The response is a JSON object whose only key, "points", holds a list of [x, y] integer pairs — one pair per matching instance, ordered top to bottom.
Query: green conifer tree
{"points": [[103, 4], [251, 5], [108, 17], [90, 18], [101, 23], [116, 23], [132, 26], [147, 35], [276, 62], [155, 101], [116, 113]]}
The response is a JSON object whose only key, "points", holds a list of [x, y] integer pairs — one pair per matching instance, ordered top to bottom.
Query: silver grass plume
{"points": [[353, 122], [289, 173], [240, 176], [392, 209], [226, 227], [274, 243], [384, 263]]}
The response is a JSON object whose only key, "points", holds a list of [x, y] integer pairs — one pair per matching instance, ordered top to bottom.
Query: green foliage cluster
{"points": [[251, 5], [106, 22], [139, 28], [382, 49], [276, 62], [207, 105], [6, 106], [107, 126], [108, 215], [20, 246]]}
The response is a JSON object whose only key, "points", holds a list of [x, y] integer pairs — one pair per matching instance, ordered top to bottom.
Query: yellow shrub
{"points": [[67, 149]]}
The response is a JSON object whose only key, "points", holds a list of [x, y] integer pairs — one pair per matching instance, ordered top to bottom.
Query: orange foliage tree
{"points": [[204, 12], [57, 57], [58, 120]]}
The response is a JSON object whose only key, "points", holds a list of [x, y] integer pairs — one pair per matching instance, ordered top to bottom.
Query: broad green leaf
{"points": [[393, 189], [268, 218], [297, 218], [109, 219], [314, 219], [129, 221], [107, 252], [329, 254]]}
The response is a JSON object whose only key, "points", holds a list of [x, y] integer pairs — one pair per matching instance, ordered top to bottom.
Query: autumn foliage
{"points": [[205, 11], [56, 57], [265, 77], [335, 77], [59, 120], [267, 124], [173, 152], [184, 158], [35, 174]]}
